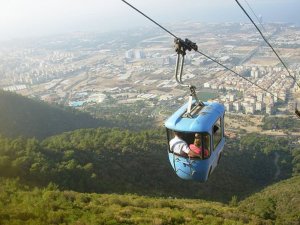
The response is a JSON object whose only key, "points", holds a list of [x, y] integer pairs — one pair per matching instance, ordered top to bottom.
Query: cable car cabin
{"points": [[206, 123]]}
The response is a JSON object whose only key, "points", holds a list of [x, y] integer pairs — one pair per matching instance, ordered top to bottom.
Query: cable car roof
{"points": [[201, 122]]}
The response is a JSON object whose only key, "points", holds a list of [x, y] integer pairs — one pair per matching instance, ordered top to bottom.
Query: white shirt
{"points": [[179, 146]]}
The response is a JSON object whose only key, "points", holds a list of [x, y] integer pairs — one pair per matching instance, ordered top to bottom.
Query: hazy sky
{"points": [[26, 18]]}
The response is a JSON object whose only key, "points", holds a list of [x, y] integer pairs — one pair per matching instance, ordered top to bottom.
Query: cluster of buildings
{"points": [[134, 54], [32, 66], [274, 87], [82, 98], [261, 103]]}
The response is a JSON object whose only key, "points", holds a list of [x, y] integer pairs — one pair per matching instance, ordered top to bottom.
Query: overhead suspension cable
{"points": [[255, 15], [150, 19], [265, 39], [208, 57]]}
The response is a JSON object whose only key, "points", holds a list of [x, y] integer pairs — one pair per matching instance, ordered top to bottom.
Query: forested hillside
{"points": [[21, 116], [288, 123], [118, 161], [280, 202], [22, 205]]}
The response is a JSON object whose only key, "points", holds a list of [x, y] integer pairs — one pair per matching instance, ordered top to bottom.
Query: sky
{"points": [[35, 18]]}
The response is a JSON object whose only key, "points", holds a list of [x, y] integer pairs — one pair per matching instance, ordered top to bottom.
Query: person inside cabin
{"points": [[180, 147], [197, 148]]}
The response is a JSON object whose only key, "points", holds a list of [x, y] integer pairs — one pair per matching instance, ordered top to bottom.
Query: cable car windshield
{"points": [[297, 111], [199, 143]]}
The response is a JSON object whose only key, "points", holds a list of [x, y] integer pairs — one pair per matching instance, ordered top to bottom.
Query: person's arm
{"points": [[185, 148], [190, 153], [193, 154]]}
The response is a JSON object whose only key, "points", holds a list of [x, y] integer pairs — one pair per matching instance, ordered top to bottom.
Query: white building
{"points": [[129, 54], [255, 72], [206, 85], [231, 97], [260, 97], [250, 99], [228, 106], [237, 106], [259, 106], [249, 109]]}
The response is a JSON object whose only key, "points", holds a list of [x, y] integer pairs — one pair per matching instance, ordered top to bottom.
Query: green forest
{"points": [[21, 116], [281, 123], [116, 176], [49, 205]]}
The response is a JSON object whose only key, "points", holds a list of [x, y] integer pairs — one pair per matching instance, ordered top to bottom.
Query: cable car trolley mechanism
{"points": [[195, 120]]}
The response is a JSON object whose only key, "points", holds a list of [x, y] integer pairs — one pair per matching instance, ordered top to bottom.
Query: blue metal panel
{"points": [[201, 122], [190, 169]]}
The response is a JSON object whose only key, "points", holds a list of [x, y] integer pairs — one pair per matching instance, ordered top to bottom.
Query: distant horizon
{"points": [[30, 19], [104, 32]]}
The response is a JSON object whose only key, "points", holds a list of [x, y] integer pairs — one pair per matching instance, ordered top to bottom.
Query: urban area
{"points": [[83, 69]]}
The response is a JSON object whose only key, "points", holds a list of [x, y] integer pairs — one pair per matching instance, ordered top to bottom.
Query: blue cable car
{"points": [[206, 120], [196, 125]]}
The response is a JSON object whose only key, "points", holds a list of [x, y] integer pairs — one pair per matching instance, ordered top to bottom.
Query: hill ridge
{"points": [[22, 116]]}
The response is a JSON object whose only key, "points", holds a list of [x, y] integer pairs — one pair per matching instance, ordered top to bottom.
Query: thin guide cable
{"points": [[255, 15], [149, 18], [265, 39]]}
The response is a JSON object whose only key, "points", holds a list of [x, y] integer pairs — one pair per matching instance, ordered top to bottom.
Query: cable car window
{"points": [[217, 133], [170, 135], [188, 137], [206, 138], [196, 142], [201, 145]]}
